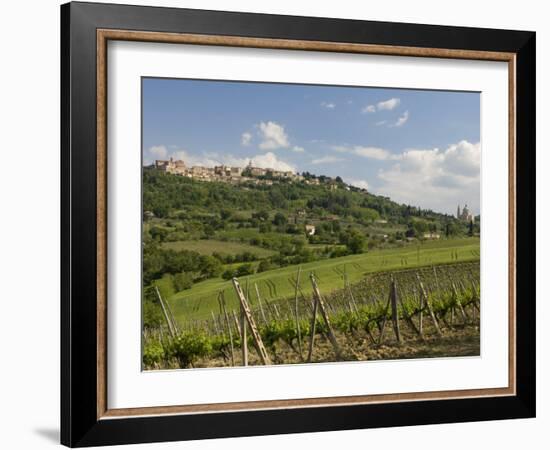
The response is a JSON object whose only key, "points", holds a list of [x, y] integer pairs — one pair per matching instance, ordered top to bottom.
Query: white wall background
{"points": [[29, 223]]}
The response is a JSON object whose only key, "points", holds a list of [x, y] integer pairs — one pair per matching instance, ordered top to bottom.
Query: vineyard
{"points": [[202, 298], [410, 313]]}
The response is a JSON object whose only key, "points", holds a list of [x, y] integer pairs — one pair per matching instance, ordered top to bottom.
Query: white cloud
{"points": [[388, 104], [328, 105], [368, 109], [402, 119], [380, 123], [273, 136], [246, 138], [341, 148], [298, 149], [158, 151], [373, 153], [377, 153], [464, 158], [205, 159], [266, 160], [327, 160], [270, 161], [434, 178], [361, 184]]}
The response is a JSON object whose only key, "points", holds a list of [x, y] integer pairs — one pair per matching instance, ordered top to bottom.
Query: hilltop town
{"points": [[237, 175], [268, 176]]}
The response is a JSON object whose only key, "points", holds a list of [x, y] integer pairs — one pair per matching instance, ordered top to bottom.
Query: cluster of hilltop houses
{"points": [[228, 174]]}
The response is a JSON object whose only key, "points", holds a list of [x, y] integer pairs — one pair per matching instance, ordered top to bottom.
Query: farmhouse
{"points": [[310, 230], [432, 235]]}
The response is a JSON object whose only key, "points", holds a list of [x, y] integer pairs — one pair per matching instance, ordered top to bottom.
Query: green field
{"points": [[209, 246], [201, 299]]}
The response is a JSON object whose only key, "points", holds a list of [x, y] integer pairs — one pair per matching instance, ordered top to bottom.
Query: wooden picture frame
{"points": [[85, 417]]}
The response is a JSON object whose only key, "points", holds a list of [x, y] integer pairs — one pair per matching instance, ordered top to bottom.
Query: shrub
{"points": [[264, 266], [244, 269], [228, 274], [182, 281], [187, 348], [153, 354]]}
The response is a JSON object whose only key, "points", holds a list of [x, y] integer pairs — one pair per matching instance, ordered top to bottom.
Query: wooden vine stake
{"points": [[221, 299], [319, 301], [260, 303], [458, 303], [428, 305], [245, 309], [394, 311], [296, 312], [407, 317], [172, 318], [168, 321], [237, 324], [383, 326], [312, 332], [244, 337]]}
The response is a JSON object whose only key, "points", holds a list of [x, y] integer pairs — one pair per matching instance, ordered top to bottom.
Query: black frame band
{"points": [[79, 423]]}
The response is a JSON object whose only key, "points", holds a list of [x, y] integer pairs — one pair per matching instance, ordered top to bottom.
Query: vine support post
{"points": [[221, 299], [319, 301], [260, 303], [428, 305], [394, 310], [296, 312], [165, 313], [246, 314], [420, 314], [312, 330], [244, 337]]}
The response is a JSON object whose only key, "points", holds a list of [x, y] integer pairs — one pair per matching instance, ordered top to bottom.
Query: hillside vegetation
{"points": [[198, 235]]}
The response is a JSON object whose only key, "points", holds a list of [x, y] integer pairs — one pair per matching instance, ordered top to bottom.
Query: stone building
{"points": [[176, 167], [465, 215], [310, 230]]}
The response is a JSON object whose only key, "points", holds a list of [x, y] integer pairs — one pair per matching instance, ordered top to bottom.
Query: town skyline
{"points": [[362, 137]]}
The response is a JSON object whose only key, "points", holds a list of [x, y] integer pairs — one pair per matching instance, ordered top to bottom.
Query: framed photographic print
{"points": [[276, 224]]}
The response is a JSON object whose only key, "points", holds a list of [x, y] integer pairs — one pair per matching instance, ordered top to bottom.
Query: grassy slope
{"points": [[207, 247], [197, 302]]}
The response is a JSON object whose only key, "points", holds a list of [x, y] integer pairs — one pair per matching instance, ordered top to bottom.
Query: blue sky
{"points": [[414, 146]]}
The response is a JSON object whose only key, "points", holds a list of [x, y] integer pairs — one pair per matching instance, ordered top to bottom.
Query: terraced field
{"points": [[207, 247]]}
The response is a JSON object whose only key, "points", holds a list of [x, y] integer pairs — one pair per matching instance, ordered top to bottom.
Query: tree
{"points": [[225, 214], [261, 215], [279, 219], [420, 227], [265, 228], [471, 228], [452, 229], [158, 233], [355, 242], [264, 265], [211, 267], [244, 269], [228, 274], [182, 281]]}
